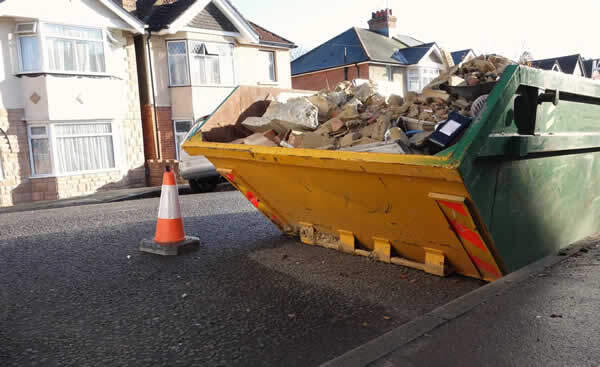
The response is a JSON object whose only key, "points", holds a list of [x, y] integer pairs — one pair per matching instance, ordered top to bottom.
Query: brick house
{"points": [[193, 55], [398, 62], [69, 104]]}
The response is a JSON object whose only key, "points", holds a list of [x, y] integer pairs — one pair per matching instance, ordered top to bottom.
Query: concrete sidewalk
{"points": [[102, 198], [543, 315]]}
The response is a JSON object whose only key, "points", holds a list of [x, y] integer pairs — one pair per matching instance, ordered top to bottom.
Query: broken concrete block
{"points": [[455, 81], [364, 92], [435, 93], [395, 100], [322, 105], [350, 111], [300, 113], [333, 125], [382, 125], [368, 130], [396, 133], [259, 139], [349, 139], [420, 139]]}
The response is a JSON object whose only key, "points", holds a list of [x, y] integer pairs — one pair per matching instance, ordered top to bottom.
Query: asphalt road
{"points": [[74, 290]]}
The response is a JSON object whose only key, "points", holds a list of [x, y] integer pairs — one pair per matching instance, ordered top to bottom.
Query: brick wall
{"points": [[329, 79], [166, 133], [156, 170], [18, 186]]}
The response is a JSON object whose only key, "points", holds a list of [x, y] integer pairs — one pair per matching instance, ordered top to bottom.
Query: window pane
{"points": [[197, 48], [30, 54], [61, 54], [90, 56], [268, 60], [226, 64], [198, 68], [178, 69], [213, 69], [183, 126], [82, 129], [38, 130], [84, 153], [41, 156]]}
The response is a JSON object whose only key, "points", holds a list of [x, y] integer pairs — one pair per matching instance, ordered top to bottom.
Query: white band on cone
{"points": [[169, 203]]}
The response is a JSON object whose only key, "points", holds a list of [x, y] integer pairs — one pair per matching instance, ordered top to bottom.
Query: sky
{"points": [[545, 28]]}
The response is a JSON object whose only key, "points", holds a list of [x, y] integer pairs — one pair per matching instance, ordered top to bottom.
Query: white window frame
{"points": [[41, 36], [188, 58], [187, 66], [424, 76], [267, 81], [175, 134], [51, 135], [2, 176]]}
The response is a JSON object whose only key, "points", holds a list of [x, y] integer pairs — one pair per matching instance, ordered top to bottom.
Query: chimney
{"points": [[128, 5], [383, 22]]}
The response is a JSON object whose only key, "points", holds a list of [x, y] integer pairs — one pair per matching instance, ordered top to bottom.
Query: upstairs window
{"points": [[62, 49], [200, 63], [267, 64]]}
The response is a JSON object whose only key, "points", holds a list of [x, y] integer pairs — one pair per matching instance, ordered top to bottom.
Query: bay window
{"points": [[63, 49], [200, 63], [419, 78], [66, 148]]}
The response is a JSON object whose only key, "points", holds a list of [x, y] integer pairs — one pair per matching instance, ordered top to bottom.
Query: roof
{"points": [[159, 17], [211, 18], [268, 37], [408, 40], [377, 46], [351, 47], [343, 49], [412, 55], [459, 56], [567, 63], [588, 66]]}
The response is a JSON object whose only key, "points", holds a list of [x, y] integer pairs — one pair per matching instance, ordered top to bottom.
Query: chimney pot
{"points": [[383, 22]]}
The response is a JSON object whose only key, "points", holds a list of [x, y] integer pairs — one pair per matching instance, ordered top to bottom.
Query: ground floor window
{"points": [[419, 78], [181, 128], [71, 147]]}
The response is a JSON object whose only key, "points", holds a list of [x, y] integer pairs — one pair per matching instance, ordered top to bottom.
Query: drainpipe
{"points": [[156, 134]]}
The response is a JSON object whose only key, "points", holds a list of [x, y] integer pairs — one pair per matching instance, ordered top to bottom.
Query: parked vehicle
{"points": [[199, 171]]}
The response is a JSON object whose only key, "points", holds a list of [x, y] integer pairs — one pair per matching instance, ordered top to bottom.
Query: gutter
{"points": [[156, 134]]}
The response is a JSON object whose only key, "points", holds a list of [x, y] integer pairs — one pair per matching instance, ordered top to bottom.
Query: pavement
{"points": [[101, 197], [75, 291], [546, 314]]}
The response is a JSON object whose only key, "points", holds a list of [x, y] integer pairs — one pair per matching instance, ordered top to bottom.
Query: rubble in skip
{"points": [[356, 117]]}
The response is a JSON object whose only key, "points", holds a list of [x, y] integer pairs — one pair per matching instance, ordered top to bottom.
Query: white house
{"points": [[193, 55], [69, 103]]}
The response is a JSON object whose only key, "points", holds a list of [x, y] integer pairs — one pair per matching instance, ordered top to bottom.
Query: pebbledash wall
{"points": [[18, 186]]}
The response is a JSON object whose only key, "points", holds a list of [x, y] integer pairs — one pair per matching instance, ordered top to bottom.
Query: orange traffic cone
{"points": [[170, 239]]}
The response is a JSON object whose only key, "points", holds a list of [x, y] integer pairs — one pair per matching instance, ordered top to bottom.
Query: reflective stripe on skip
{"points": [[169, 203]]}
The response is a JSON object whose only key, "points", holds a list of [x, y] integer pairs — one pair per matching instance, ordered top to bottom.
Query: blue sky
{"points": [[507, 27]]}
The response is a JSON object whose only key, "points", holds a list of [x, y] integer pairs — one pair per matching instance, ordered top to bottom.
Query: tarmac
{"points": [[545, 314]]}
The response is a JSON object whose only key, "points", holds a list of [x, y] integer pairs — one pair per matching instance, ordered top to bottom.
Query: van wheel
{"points": [[198, 187]]}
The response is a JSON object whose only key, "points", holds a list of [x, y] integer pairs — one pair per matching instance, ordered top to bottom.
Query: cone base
{"points": [[172, 249]]}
